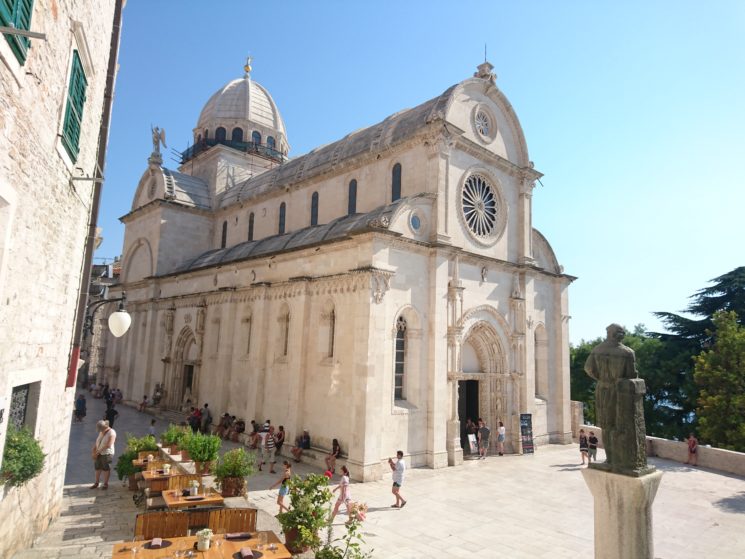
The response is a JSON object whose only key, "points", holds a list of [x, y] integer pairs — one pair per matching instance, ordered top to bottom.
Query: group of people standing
{"points": [[482, 433]]}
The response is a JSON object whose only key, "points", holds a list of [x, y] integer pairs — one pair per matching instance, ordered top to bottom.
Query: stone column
{"points": [[623, 513]]}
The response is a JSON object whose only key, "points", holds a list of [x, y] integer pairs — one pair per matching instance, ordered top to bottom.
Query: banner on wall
{"points": [[526, 433]]}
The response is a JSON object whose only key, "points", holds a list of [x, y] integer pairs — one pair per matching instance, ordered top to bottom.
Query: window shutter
{"points": [[17, 13], [74, 110]]}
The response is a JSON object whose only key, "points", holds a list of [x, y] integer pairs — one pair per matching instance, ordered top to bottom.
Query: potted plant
{"points": [[172, 436], [183, 445], [204, 450], [23, 458], [124, 467], [233, 469], [309, 500], [203, 539], [350, 545]]}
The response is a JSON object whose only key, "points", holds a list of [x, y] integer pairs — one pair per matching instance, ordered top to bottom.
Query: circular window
{"points": [[483, 124], [480, 206], [416, 223]]}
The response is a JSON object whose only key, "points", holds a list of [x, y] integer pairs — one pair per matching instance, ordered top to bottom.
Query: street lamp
{"points": [[119, 321]]}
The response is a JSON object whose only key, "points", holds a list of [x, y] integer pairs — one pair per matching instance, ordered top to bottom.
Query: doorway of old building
{"points": [[468, 407]]}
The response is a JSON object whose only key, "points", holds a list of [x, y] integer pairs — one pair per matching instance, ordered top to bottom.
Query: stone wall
{"points": [[43, 226]]}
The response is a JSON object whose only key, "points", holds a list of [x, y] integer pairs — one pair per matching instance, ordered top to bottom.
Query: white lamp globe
{"points": [[119, 323]]}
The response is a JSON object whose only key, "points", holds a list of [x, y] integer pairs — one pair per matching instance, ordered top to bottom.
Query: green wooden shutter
{"points": [[17, 13], [74, 110]]}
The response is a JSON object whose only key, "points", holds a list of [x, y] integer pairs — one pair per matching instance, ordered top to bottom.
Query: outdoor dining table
{"points": [[157, 480], [175, 499], [227, 549]]}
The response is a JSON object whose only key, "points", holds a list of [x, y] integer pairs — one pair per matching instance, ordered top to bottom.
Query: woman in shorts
{"points": [[583, 447], [284, 487], [343, 489]]}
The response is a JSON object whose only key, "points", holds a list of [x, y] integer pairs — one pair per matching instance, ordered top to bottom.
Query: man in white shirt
{"points": [[103, 453], [399, 470]]}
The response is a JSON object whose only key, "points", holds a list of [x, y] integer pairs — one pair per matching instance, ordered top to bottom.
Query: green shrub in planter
{"points": [[173, 435], [142, 444], [203, 448], [23, 458], [124, 467], [232, 469], [308, 514]]}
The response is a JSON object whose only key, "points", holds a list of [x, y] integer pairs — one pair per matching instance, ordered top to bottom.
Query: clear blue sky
{"points": [[634, 111]]}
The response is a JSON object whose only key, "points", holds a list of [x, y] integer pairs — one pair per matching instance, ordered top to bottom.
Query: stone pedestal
{"points": [[455, 452], [623, 513]]}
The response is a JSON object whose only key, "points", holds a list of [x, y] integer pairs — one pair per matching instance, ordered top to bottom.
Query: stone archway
{"points": [[183, 377]]}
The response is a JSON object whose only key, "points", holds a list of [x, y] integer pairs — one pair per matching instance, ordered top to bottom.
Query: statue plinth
{"points": [[623, 513]]}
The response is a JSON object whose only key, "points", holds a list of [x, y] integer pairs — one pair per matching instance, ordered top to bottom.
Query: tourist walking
{"points": [[144, 404], [81, 408], [110, 415], [206, 419], [501, 435], [483, 439], [592, 442], [584, 446], [268, 448], [692, 450], [103, 453], [333, 455], [399, 471], [284, 487], [344, 496]]}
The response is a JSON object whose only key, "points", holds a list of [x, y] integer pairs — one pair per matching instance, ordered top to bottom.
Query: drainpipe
{"points": [[103, 138]]}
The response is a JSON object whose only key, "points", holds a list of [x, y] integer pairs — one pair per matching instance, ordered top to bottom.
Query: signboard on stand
{"points": [[526, 433], [472, 444]]}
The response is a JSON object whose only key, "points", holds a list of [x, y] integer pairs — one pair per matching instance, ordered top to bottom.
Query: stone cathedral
{"points": [[380, 289]]}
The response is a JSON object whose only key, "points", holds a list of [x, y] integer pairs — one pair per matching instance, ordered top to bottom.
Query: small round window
{"points": [[483, 124], [480, 206], [416, 223]]}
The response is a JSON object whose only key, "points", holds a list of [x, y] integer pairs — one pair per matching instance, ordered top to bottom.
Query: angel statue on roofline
{"points": [[159, 137]]}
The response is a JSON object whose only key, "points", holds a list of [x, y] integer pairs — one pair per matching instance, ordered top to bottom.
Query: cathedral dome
{"points": [[242, 111]]}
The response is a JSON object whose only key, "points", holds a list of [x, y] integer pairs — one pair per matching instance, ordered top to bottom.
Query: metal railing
{"points": [[246, 147]]}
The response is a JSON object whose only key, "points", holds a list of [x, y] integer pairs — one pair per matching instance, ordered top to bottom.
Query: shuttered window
{"points": [[17, 13], [74, 110]]}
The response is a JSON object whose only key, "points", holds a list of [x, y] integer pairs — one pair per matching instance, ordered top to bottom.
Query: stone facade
{"points": [[43, 224], [379, 290]]}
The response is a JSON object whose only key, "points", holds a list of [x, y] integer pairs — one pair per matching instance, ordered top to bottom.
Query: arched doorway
{"points": [[184, 374], [482, 379]]}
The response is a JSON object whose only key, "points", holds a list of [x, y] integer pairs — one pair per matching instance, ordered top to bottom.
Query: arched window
{"points": [[206, 134], [220, 134], [237, 135], [256, 137], [199, 138], [270, 143], [396, 182], [352, 197], [314, 209], [282, 210], [251, 226], [224, 241], [284, 325], [332, 332], [400, 361], [541, 362]]}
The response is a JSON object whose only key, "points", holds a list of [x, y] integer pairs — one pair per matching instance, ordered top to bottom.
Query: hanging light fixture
{"points": [[119, 322]]}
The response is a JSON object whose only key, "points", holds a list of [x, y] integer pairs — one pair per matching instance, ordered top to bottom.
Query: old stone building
{"points": [[51, 104], [380, 289]]}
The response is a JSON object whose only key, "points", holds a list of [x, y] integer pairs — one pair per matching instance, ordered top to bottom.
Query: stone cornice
{"points": [[480, 152], [157, 204]]}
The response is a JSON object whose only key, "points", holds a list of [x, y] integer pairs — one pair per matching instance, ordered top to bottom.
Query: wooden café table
{"points": [[158, 481], [176, 500], [178, 547]]}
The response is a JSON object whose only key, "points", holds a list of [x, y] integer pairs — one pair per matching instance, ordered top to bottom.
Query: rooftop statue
{"points": [[159, 137], [619, 404]]}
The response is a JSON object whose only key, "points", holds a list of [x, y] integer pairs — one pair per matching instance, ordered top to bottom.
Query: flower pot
{"points": [[185, 455], [203, 468], [132, 483], [233, 486], [291, 537], [203, 544]]}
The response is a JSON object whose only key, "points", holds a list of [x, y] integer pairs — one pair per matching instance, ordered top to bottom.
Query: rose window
{"points": [[483, 125], [480, 206]]}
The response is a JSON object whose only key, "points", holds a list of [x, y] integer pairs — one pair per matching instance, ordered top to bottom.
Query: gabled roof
{"points": [[393, 130], [185, 189]]}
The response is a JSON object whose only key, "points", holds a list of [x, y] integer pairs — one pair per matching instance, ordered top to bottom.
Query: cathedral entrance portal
{"points": [[183, 378], [468, 407]]}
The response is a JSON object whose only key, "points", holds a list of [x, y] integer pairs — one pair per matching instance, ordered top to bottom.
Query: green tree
{"points": [[720, 373], [582, 387]]}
